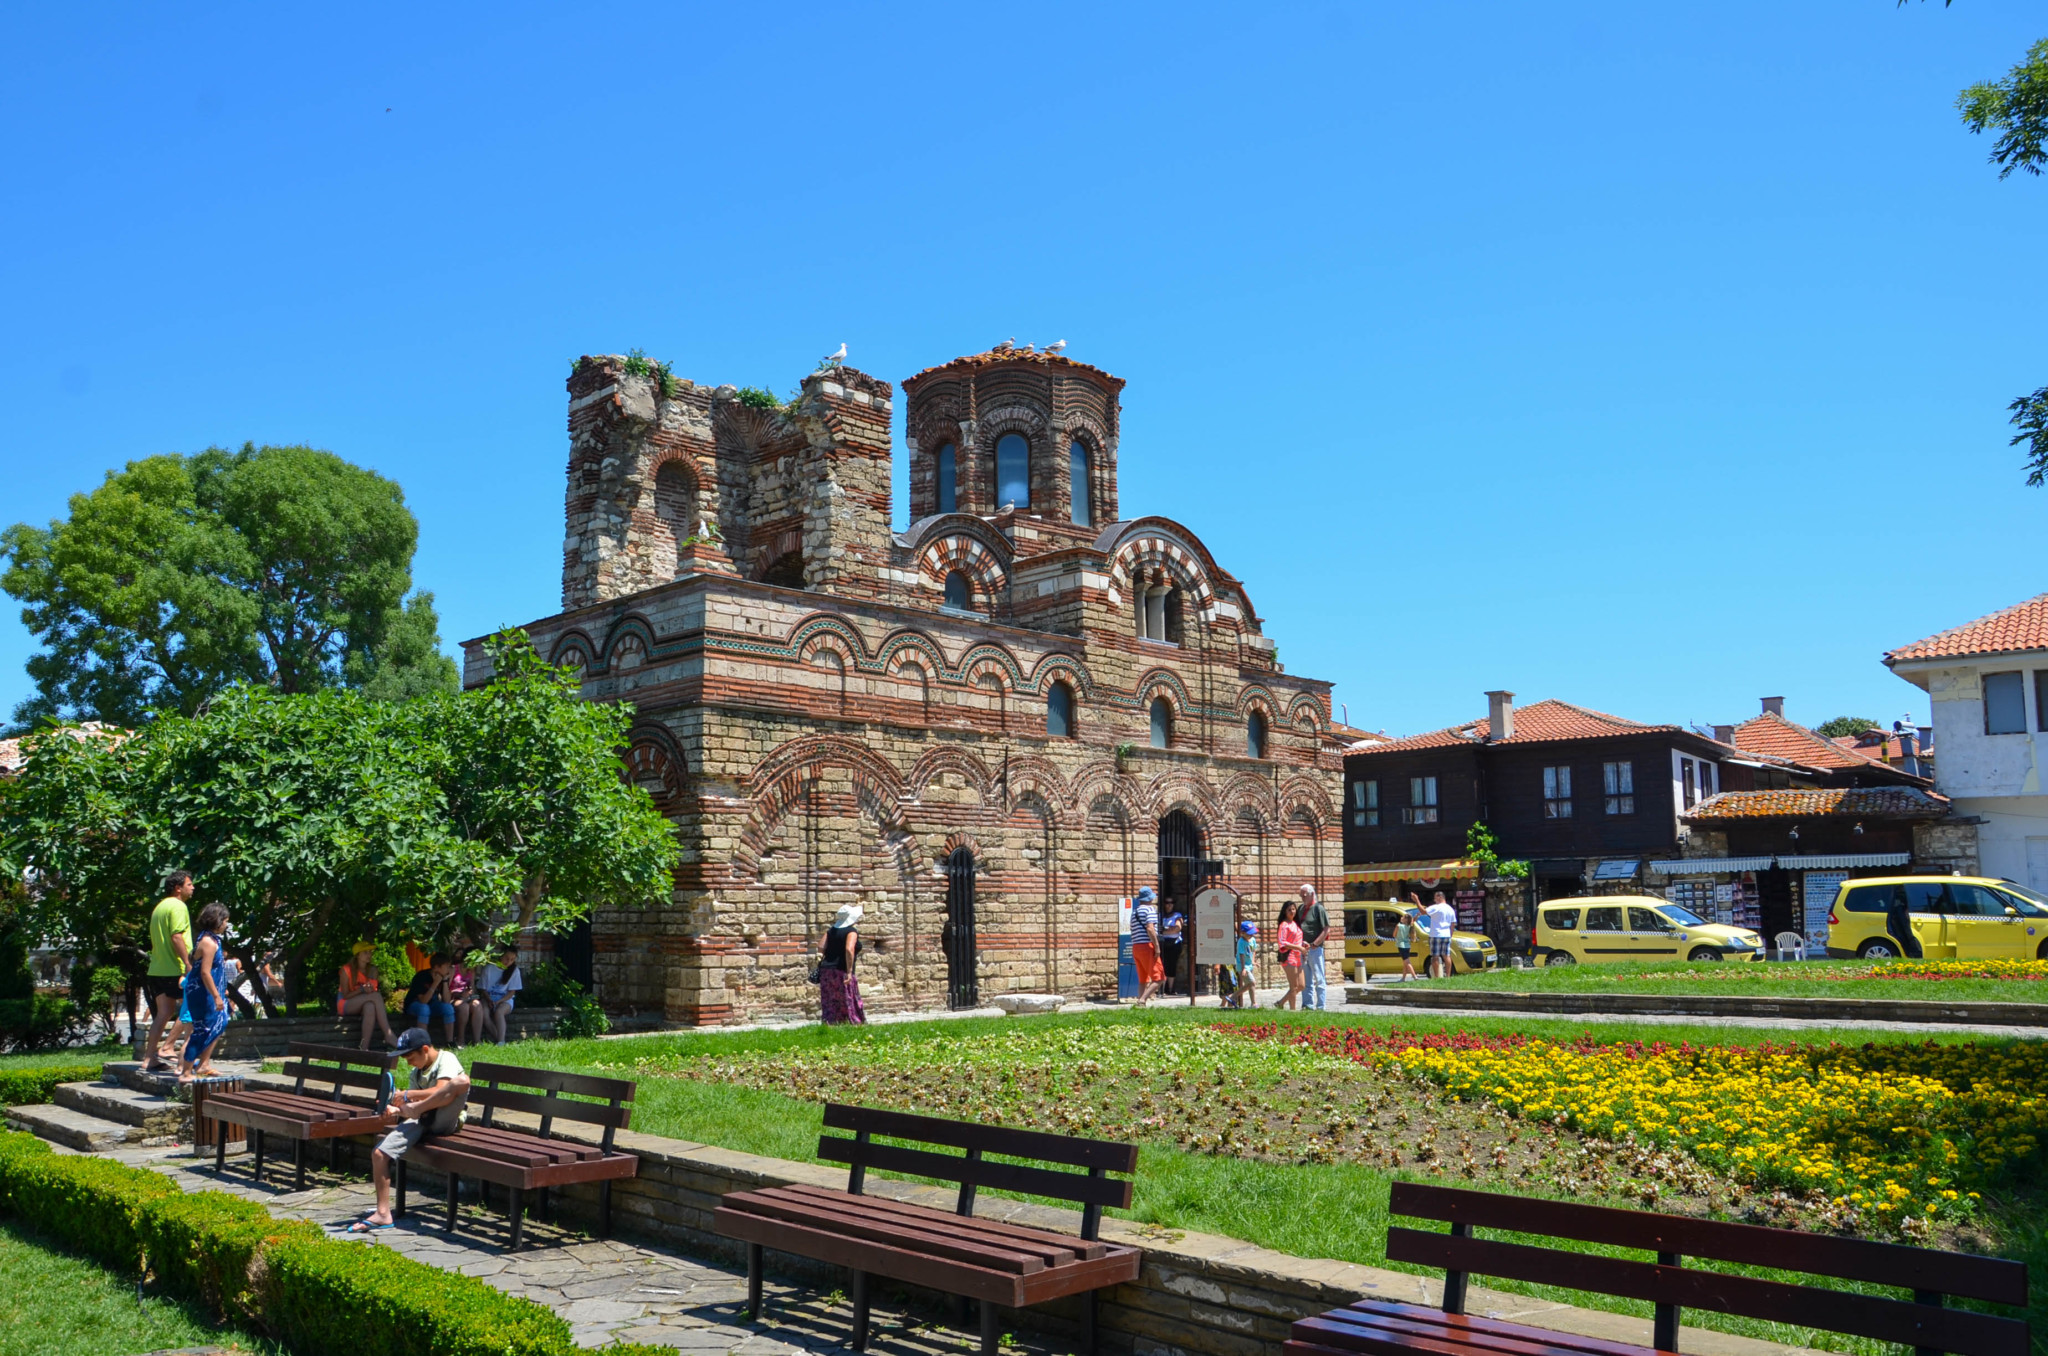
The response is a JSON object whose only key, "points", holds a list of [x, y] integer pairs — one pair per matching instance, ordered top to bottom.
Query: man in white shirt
{"points": [[1443, 921]]}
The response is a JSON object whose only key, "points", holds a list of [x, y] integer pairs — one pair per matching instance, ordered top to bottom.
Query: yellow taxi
{"points": [[1955, 918], [1602, 929], [1369, 941]]}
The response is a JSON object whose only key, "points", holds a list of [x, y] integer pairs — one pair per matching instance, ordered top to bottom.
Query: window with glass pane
{"points": [[1013, 471], [949, 474], [1077, 482], [956, 589], [2041, 699], [2005, 704], [1059, 711], [1162, 723], [1255, 736], [1689, 777], [1620, 780], [1557, 793], [1365, 804], [1421, 808], [1606, 918], [1646, 920]]}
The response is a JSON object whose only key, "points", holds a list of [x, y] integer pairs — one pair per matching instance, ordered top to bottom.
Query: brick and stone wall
{"points": [[824, 730]]}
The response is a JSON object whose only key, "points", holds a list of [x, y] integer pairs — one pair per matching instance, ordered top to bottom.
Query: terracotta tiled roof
{"points": [[992, 358], [2023, 626], [1538, 723], [1776, 737], [13, 755], [1844, 802]]}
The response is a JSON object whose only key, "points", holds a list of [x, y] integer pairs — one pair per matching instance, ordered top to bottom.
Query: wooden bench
{"points": [[300, 1115], [530, 1160], [979, 1259], [1923, 1323]]}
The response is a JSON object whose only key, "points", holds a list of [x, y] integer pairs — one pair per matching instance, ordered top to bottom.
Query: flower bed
{"points": [[1889, 1136]]}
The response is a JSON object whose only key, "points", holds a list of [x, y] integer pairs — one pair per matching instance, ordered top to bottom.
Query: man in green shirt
{"points": [[170, 952]]}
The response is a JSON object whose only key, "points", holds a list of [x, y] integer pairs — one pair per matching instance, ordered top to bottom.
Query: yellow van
{"points": [[1955, 918], [1602, 929], [1369, 941]]}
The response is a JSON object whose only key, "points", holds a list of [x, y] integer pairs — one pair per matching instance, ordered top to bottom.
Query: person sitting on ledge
{"points": [[432, 1104]]}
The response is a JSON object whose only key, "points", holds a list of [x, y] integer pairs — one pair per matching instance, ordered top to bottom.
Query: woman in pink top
{"points": [[1290, 944]]}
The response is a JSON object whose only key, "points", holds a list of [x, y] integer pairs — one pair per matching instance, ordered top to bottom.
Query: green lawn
{"points": [[1809, 979], [83, 1054], [1335, 1210], [54, 1304]]}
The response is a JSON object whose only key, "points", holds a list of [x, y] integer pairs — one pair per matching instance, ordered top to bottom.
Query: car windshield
{"points": [[2026, 901], [1681, 915]]}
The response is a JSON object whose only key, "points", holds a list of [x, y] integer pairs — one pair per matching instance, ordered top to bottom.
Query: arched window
{"points": [[1013, 472], [1077, 483], [949, 498], [957, 593], [1059, 711], [1162, 722], [1255, 735]]}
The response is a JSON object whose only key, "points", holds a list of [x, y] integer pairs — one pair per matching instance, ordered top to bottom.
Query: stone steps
{"points": [[150, 1112], [73, 1129]]}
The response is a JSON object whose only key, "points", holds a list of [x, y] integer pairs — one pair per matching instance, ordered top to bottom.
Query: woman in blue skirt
{"points": [[206, 994]]}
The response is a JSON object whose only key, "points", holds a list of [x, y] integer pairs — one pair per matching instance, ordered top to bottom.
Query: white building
{"points": [[1988, 681]]}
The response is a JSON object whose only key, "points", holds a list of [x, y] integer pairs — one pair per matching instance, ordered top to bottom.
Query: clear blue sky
{"points": [[1648, 356]]}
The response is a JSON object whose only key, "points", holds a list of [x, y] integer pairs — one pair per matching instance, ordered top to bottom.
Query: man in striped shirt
{"points": [[1145, 944]]}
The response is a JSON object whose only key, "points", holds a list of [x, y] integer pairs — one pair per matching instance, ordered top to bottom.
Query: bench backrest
{"points": [[334, 1067], [546, 1093], [1090, 1189], [1922, 1323]]}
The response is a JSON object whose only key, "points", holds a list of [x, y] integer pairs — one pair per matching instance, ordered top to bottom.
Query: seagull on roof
{"points": [[1006, 345], [1055, 346], [1027, 349], [836, 358]]}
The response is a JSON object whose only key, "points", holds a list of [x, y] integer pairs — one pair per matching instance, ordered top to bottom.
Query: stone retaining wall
{"points": [[270, 1038], [1197, 1294]]}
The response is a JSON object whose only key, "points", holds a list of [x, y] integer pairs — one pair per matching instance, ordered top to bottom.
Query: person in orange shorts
{"points": [[1145, 944]]}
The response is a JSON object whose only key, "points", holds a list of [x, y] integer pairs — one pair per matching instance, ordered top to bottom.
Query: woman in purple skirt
{"points": [[838, 989]]}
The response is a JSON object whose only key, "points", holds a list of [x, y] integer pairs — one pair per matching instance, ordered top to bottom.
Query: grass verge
{"points": [[1762, 979], [55, 1304]]}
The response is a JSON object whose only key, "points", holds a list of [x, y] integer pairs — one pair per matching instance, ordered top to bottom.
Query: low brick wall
{"points": [[1424, 997], [269, 1038], [1197, 1294]]}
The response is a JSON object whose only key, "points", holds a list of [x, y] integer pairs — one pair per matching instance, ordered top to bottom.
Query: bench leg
{"points": [[257, 1135], [220, 1147], [334, 1154], [298, 1165], [454, 1199], [604, 1209], [398, 1210], [518, 1212], [753, 1282], [860, 1311], [959, 1311], [1088, 1323], [988, 1329]]}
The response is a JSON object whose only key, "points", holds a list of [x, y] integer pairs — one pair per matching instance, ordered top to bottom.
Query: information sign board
{"points": [[1215, 923]]}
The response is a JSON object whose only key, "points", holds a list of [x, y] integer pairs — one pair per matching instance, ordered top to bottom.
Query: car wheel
{"points": [[1879, 951], [2041, 951], [1704, 953], [1559, 958]]}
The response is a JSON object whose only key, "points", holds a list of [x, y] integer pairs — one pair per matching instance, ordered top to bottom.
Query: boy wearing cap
{"points": [[1247, 995], [430, 1104]]}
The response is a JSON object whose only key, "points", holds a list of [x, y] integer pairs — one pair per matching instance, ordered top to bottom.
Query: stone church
{"points": [[986, 728]]}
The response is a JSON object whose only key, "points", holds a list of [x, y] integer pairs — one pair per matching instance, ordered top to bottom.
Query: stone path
{"points": [[605, 1290]]}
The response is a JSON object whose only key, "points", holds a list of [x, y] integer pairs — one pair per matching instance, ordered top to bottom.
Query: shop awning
{"points": [[1823, 860], [1710, 866], [1616, 868], [1423, 870]]}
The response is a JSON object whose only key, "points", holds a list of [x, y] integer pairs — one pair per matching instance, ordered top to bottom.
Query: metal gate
{"points": [[1180, 852], [962, 988]]}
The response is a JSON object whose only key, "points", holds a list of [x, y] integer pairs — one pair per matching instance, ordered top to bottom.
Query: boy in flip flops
{"points": [[431, 1104]]}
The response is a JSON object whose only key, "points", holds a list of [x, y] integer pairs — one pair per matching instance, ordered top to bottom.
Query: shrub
{"points": [[549, 986], [27, 1087], [13, 1148], [90, 1205], [206, 1243], [324, 1298]]}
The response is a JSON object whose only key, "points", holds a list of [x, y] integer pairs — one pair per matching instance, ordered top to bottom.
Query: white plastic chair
{"points": [[1791, 946]]}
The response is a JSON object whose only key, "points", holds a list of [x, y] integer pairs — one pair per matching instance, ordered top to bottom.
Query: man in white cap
{"points": [[1145, 944]]}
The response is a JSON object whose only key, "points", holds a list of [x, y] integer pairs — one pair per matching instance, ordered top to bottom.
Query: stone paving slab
{"points": [[606, 1290]]}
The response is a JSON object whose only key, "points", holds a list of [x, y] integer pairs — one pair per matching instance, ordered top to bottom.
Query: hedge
{"points": [[34, 1086], [319, 1296]]}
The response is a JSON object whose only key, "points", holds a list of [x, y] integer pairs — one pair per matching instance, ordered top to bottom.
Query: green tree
{"points": [[2016, 109], [179, 576], [1844, 725], [307, 813]]}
